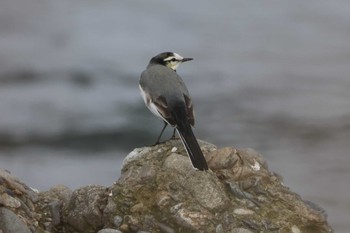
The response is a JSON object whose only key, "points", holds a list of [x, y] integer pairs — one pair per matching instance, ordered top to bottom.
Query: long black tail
{"points": [[184, 129]]}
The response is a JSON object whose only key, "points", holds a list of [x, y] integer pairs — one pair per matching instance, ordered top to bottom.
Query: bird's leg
{"points": [[161, 133]]}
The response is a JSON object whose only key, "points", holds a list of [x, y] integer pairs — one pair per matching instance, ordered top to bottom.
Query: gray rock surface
{"points": [[159, 191], [11, 223], [109, 230]]}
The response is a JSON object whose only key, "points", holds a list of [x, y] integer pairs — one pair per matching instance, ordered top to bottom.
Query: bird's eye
{"points": [[174, 59]]}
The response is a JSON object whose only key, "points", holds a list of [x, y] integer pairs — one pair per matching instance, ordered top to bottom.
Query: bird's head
{"points": [[169, 59]]}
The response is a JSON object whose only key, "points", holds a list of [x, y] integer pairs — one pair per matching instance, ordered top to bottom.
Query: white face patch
{"points": [[176, 56], [173, 61]]}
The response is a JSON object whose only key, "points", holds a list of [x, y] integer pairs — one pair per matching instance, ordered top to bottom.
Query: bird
{"points": [[166, 96]]}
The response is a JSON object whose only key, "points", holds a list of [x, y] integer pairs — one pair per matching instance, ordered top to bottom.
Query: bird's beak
{"points": [[186, 59]]}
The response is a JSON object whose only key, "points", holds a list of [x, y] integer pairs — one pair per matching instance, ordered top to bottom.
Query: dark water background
{"points": [[270, 75]]}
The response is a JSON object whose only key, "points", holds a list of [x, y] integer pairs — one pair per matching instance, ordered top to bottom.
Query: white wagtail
{"points": [[167, 97]]}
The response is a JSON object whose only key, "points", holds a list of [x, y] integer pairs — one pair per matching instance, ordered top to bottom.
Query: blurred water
{"points": [[269, 75]]}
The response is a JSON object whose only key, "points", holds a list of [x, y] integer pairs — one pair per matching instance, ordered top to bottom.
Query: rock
{"points": [[189, 179], [159, 191], [60, 192], [17, 200], [8, 201], [195, 201], [50, 205], [55, 210], [84, 211], [240, 211], [117, 221], [11, 223], [109, 230], [240, 230]]}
